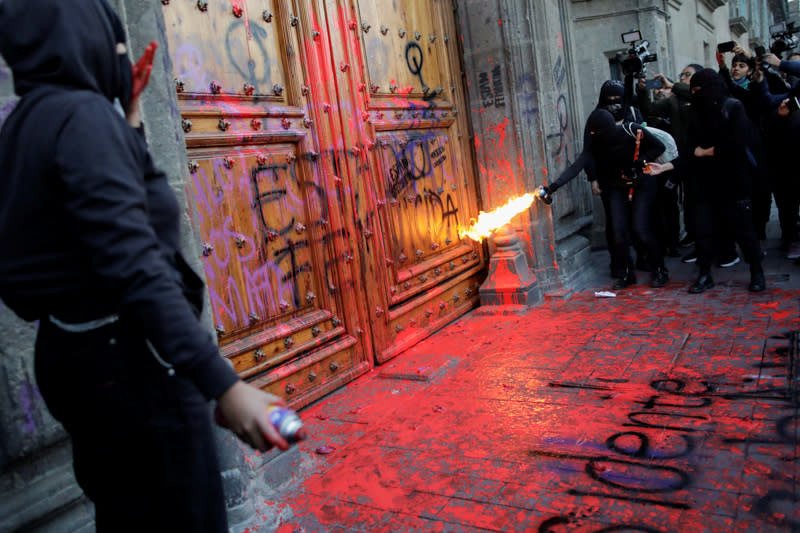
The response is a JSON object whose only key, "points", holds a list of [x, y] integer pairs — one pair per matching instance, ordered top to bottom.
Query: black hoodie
{"points": [[89, 227]]}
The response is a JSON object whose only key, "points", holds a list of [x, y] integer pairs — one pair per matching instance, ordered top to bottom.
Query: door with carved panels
{"points": [[399, 85], [328, 184]]}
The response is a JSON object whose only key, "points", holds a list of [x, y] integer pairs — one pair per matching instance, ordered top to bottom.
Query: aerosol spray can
{"points": [[543, 196], [287, 423]]}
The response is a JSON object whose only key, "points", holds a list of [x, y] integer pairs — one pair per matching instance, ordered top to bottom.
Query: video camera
{"points": [[783, 37], [638, 54]]}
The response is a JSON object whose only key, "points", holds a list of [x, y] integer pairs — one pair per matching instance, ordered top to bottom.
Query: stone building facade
{"points": [[531, 71]]}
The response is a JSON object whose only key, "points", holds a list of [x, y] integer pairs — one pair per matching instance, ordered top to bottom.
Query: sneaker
{"points": [[687, 241], [672, 251], [794, 251], [691, 257], [725, 263], [659, 278], [757, 282], [703, 283]]}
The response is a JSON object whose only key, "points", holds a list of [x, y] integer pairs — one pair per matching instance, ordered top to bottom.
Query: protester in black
{"points": [[617, 100], [676, 109], [722, 167], [631, 194], [90, 233]]}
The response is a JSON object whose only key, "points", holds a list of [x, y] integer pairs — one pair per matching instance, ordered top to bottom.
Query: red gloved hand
{"points": [[142, 69]]}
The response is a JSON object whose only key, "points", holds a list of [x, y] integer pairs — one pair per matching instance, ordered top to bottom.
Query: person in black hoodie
{"points": [[617, 100], [619, 159], [723, 167], [90, 233]]}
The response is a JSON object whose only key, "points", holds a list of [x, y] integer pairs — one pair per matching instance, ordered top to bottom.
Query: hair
{"points": [[695, 66]]}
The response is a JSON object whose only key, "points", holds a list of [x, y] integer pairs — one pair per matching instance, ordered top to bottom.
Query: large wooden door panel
{"points": [[418, 189], [276, 249]]}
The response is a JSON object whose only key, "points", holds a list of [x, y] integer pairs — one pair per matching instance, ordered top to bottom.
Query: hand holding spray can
{"points": [[544, 195], [287, 423]]}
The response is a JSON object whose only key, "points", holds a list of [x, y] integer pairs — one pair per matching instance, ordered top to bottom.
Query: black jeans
{"points": [[715, 212], [631, 219], [667, 224], [142, 440]]}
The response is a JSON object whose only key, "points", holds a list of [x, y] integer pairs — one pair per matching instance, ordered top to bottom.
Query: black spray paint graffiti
{"points": [[259, 35], [414, 61], [559, 72], [491, 90], [561, 152], [414, 160], [644, 480]]}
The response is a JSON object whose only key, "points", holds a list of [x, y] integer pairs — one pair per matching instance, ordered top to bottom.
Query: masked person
{"points": [[613, 99], [620, 152], [722, 167], [90, 233]]}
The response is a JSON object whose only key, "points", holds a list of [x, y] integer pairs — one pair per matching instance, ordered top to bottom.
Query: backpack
{"points": [[670, 148]]}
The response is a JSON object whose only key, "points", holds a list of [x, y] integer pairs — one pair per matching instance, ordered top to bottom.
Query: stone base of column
{"points": [[510, 280]]}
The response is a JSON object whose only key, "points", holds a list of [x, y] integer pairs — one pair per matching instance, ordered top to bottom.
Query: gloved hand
{"points": [[635, 169], [544, 193]]}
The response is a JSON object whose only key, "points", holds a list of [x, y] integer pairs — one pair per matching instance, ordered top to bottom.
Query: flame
{"points": [[488, 222]]}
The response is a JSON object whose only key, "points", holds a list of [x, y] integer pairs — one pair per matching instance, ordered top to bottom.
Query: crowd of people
{"points": [[716, 143]]}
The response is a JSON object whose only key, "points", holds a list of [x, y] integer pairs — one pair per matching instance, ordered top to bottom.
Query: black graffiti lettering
{"points": [[414, 61], [559, 72], [497, 85], [485, 89], [418, 171], [270, 196], [451, 211], [305, 267], [676, 386], [652, 402], [633, 417], [643, 450], [603, 470], [647, 501], [763, 507], [551, 526]]}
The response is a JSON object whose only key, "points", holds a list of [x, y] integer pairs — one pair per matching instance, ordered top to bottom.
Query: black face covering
{"points": [[125, 88], [709, 93], [616, 110]]}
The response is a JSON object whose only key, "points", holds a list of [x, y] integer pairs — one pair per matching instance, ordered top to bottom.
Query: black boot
{"points": [[659, 278], [625, 281], [757, 281], [703, 283]]}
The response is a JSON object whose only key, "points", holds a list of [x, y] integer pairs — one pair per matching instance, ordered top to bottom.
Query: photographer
{"points": [[738, 80], [783, 134]]}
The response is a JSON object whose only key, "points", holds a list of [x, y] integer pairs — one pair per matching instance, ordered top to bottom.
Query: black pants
{"points": [[716, 212], [666, 216], [631, 219], [142, 440]]}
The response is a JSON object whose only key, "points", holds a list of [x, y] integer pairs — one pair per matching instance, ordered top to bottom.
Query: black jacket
{"points": [[89, 227]]}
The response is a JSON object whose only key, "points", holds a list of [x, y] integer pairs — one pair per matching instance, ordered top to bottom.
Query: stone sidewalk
{"points": [[655, 411]]}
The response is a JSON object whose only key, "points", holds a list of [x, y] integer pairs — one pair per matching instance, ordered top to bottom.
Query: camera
{"points": [[783, 37], [634, 63]]}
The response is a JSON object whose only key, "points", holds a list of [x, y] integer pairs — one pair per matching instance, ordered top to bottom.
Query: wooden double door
{"points": [[329, 175]]}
